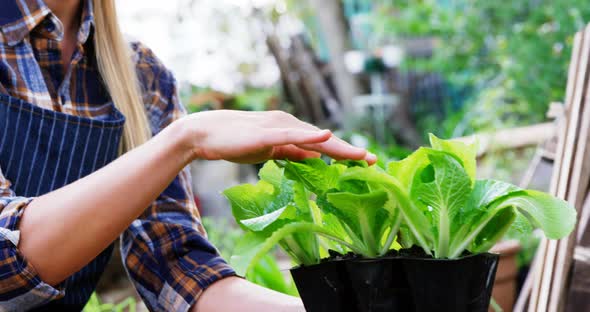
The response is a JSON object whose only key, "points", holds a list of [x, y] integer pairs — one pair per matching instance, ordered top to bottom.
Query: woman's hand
{"points": [[252, 137]]}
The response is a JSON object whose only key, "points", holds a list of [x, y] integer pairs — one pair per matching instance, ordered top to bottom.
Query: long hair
{"points": [[118, 72]]}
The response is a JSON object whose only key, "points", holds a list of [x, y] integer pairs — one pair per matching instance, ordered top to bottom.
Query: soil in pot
{"points": [[379, 285], [459, 285], [325, 287]]}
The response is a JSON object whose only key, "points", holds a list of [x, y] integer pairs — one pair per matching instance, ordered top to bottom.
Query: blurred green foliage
{"points": [[513, 54], [198, 99], [385, 151], [266, 273], [94, 305]]}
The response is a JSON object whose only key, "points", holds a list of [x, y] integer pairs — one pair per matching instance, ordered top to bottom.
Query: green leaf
{"points": [[465, 153], [351, 163], [404, 170], [314, 173], [272, 174], [444, 189], [484, 193], [251, 201], [271, 204], [255, 207], [364, 214], [552, 215], [413, 217], [331, 223], [257, 224], [494, 230], [406, 237], [254, 245], [245, 251], [267, 273]]}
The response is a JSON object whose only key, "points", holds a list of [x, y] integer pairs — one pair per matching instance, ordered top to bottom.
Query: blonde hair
{"points": [[118, 72]]}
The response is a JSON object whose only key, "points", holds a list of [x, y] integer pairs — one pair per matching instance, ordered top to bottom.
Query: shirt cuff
{"points": [[190, 281], [20, 285]]}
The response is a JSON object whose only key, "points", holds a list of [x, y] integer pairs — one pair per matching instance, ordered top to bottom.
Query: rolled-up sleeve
{"points": [[166, 251], [167, 254], [21, 288]]}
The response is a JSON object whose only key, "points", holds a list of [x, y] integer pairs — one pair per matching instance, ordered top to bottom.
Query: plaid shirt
{"points": [[165, 251]]}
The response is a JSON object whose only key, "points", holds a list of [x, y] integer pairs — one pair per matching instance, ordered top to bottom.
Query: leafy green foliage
{"points": [[513, 55], [430, 199], [269, 205], [363, 214], [467, 214], [228, 239], [94, 305]]}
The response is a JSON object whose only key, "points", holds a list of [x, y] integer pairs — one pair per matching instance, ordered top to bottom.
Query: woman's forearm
{"points": [[64, 230], [236, 294]]}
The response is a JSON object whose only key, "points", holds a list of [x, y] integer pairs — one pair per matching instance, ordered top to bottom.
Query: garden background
{"points": [[382, 74]]}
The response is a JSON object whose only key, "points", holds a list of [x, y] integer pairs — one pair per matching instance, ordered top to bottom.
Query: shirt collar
{"points": [[19, 17]]}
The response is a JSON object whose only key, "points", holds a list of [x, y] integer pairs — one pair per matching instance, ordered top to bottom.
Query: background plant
{"points": [[513, 55], [266, 273], [94, 305]]}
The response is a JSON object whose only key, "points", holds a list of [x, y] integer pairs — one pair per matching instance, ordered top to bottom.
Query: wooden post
{"points": [[333, 25], [573, 162], [544, 291]]}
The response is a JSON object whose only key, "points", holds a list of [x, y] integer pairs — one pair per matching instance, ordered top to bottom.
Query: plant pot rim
{"points": [[360, 258], [430, 259]]}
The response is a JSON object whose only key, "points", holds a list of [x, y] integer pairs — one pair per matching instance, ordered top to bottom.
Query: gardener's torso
{"points": [[56, 126]]}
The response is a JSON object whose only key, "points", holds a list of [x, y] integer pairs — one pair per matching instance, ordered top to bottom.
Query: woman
{"points": [[92, 134]]}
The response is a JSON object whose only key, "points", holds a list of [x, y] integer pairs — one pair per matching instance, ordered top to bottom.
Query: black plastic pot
{"points": [[401, 282], [379, 285], [458, 285], [325, 287]]}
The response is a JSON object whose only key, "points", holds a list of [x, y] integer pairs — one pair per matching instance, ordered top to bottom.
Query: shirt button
{"points": [[49, 26]]}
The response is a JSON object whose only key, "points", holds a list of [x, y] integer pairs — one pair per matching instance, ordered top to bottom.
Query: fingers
{"points": [[287, 136], [332, 146], [339, 149], [293, 152], [371, 158]]}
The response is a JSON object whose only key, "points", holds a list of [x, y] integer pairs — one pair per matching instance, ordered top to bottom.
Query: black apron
{"points": [[42, 150]]}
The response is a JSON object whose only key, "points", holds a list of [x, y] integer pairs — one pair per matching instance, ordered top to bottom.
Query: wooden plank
{"points": [[512, 138], [574, 162], [581, 171], [528, 175], [583, 233], [585, 238], [537, 274], [542, 278], [527, 288], [579, 291]]}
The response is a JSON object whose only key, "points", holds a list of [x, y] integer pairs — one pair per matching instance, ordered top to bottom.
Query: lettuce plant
{"points": [[430, 199], [274, 211], [447, 211], [359, 212]]}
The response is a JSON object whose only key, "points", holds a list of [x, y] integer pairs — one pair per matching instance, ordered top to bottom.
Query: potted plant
{"points": [[413, 237]]}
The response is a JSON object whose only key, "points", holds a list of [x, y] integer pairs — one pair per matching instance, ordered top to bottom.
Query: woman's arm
{"points": [[65, 229], [236, 294]]}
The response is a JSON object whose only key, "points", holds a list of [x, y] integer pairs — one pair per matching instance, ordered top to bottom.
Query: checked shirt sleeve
{"points": [[166, 251], [20, 286]]}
